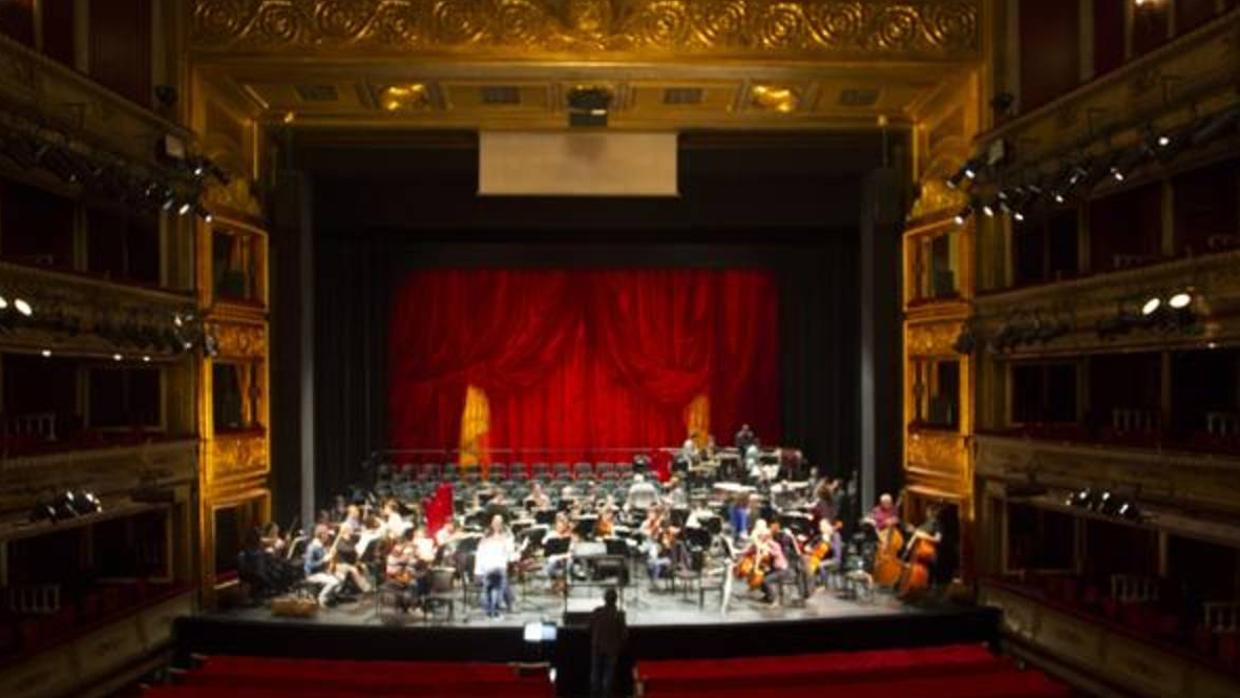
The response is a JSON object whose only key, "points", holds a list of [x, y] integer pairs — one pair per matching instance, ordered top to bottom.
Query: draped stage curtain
{"points": [[580, 360]]}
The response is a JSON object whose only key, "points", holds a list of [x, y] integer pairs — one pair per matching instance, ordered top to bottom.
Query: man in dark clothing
{"points": [[607, 635]]}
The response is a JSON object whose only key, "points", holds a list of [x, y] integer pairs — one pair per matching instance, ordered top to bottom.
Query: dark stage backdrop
{"points": [[509, 362]]}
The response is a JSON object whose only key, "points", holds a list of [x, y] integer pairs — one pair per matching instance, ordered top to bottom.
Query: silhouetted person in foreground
{"points": [[608, 633]]}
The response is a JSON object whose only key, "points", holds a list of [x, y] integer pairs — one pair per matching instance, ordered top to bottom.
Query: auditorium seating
{"points": [[965, 671], [246, 677]]}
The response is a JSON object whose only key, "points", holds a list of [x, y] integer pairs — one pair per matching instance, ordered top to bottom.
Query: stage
{"points": [[662, 625]]}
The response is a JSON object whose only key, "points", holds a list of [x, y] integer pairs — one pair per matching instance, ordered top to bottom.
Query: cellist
{"points": [[921, 554], [769, 566]]}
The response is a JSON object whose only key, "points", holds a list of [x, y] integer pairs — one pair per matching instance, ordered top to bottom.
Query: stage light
{"points": [[1164, 141], [199, 170], [970, 171], [1117, 173], [1076, 175], [954, 180], [1059, 198], [169, 203], [185, 207], [988, 210], [963, 215], [1018, 216], [1180, 300], [4, 303], [1151, 306], [23, 307], [47, 353], [116, 357], [146, 359]]}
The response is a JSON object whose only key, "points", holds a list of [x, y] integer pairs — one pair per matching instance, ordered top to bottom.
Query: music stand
{"points": [[545, 517]]}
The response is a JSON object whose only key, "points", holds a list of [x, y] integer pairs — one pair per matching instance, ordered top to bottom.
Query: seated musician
{"points": [[642, 494], [675, 495], [538, 496], [825, 504], [884, 513], [353, 517], [395, 523], [605, 527], [272, 540], [791, 548], [659, 550], [825, 550], [769, 556], [346, 562], [316, 565], [556, 566], [399, 572]]}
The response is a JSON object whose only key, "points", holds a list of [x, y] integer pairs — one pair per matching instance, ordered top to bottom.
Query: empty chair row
{"points": [[517, 471]]}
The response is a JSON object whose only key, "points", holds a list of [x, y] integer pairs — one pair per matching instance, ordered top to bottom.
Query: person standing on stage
{"points": [[744, 439], [495, 551], [608, 633]]}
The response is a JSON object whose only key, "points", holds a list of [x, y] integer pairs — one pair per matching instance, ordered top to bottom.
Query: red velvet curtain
{"points": [[582, 361]]}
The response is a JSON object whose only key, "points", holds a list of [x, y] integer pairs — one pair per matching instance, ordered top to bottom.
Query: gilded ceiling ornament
{"points": [[343, 19], [719, 22], [663, 23], [836, 24], [781, 25], [896, 26], [795, 28], [932, 339]]}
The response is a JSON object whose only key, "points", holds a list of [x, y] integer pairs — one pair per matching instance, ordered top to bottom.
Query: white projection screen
{"points": [[522, 163]]}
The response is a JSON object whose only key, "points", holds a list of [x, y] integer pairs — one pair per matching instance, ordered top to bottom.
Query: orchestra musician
{"points": [[744, 439], [689, 449], [538, 496], [884, 514], [605, 527], [791, 549], [495, 551], [824, 551], [344, 562], [316, 564], [769, 564], [556, 566], [399, 571]]}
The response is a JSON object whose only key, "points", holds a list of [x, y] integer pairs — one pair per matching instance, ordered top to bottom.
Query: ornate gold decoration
{"points": [[747, 27], [411, 97], [777, 99], [931, 339], [238, 340], [943, 452], [238, 454]]}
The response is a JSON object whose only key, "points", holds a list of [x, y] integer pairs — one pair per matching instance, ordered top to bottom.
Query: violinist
{"points": [[660, 545], [791, 548], [344, 562], [399, 572]]}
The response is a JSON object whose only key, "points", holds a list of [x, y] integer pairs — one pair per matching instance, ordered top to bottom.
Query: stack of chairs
{"points": [[950, 671], [251, 677]]}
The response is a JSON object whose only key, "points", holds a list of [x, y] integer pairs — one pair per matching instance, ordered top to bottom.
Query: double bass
{"points": [[919, 558], [888, 564], [753, 566]]}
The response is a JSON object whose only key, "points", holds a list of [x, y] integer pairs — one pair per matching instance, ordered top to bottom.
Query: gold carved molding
{"points": [[767, 28], [931, 339], [239, 340], [944, 453], [238, 454]]}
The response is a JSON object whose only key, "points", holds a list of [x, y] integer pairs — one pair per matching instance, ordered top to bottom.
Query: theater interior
{"points": [[619, 347]]}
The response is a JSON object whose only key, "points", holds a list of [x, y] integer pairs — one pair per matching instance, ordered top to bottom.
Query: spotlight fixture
{"points": [[1163, 141], [970, 169], [1117, 173], [954, 181], [1059, 197], [169, 202], [185, 208], [988, 210], [963, 215], [1018, 216], [1180, 300], [4, 303], [1151, 306], [23, 307], [47, 353], [116, 357], [146, 359]]}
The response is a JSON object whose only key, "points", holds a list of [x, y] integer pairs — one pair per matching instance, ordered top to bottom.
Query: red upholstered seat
{"points": [[822, 668], [1003, 684]]}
